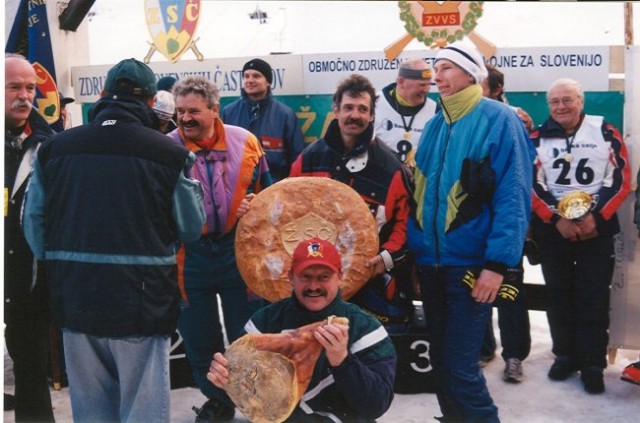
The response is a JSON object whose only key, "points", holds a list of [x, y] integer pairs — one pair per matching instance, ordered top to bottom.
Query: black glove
{"points": [[531, 252]]}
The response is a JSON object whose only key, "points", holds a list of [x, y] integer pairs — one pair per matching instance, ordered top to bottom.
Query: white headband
{"points": [[466, 58]]}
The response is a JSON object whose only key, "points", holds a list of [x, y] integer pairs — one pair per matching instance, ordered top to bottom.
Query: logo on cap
{"points": [[314, 250]]}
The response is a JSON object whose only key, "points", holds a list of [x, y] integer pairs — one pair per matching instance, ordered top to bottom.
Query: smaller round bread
{"points": [[296, 209]]}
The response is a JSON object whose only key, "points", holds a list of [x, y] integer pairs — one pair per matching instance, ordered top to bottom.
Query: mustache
{"points": [[21, 103], [359, 122], [189, 124], [314, 292]]}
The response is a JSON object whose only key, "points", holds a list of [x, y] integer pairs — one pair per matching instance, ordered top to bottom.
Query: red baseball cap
{"points": [[315, 251]]}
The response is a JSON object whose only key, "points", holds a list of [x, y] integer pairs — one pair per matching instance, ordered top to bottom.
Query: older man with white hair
{"points": [[585, 155], [473, 192], [26, 311]]}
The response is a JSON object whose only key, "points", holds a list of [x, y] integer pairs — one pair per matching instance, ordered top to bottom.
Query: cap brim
{"points": [[67, 100], [163, 116]]}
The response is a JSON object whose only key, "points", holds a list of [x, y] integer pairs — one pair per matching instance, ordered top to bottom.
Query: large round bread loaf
{"points": [[296, 209]]}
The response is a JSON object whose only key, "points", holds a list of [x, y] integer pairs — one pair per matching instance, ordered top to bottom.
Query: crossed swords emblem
{"points": [[192, 45]]}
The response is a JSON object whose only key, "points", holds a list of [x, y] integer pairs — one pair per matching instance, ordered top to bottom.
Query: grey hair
{"points": [[14, 56], [411, 63], [567, 82], [199, 86]]}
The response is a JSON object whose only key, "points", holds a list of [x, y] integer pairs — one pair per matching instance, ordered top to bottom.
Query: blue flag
{"points": [[31, 38]]}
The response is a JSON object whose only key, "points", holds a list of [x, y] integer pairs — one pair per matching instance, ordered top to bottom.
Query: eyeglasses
{"points": [[566, 101]]}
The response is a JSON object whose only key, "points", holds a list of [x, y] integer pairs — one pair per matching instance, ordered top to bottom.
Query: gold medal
{"points": [[407, 136], [568, 157], [574, 205]]}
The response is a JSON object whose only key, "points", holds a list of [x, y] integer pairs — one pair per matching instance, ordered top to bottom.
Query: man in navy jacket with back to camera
{"points": [[105, 206]]}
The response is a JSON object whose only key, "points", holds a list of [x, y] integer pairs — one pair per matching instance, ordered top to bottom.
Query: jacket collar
{"points": [[390, 92], [260, 103], [458, 105], [124, 107], [552, 129], [35, 131], [333, 139], [215, 146], [307, 316]]}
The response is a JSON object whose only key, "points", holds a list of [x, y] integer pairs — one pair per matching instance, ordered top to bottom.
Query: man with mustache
{"points": [[350, 153], [230, 165], [26, 312], [353, 379]]}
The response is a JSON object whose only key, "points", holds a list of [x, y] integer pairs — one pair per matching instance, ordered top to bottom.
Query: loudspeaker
{"points": [[71, 17]]}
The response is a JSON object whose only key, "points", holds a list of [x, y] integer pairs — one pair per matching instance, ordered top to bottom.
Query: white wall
{"points": [[625, 288]]}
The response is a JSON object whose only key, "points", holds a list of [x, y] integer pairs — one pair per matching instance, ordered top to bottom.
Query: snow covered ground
{"points": [[535, 400]]}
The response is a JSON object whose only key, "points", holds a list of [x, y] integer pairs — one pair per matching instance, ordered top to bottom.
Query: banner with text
{"points": [[526, 69]]}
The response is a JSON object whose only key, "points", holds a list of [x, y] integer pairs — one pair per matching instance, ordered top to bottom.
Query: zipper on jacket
{"points": [[437, 203]]}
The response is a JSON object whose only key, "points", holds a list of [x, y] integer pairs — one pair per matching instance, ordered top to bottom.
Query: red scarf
{"points": [[216, 142]]}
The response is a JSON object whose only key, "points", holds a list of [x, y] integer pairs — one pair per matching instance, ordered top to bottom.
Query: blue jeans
{"points": [[210, 271], [455, 326], [118, 379]]}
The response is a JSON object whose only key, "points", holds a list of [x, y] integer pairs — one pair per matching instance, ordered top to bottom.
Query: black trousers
{"points": [[578, 277], [27, 337]]}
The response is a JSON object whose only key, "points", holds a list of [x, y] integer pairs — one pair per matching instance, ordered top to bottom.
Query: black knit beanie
{"points": [[261, 66]]}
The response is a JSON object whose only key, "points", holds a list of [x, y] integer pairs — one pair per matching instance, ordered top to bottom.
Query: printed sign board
{"points": [[526, 70], [88, 81]]}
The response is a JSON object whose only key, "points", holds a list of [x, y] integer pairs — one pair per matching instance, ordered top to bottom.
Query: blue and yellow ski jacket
{"points": [[473, 187]]}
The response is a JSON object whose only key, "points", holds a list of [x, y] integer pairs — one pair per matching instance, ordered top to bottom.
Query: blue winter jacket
{"points": [[274, 124], [473, 189]]}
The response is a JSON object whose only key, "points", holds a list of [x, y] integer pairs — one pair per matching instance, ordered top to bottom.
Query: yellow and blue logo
{"points": [[172, 25], [48, 101]]}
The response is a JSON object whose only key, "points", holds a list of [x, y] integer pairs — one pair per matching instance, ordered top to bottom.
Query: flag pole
{"points": [[628, 23]]}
